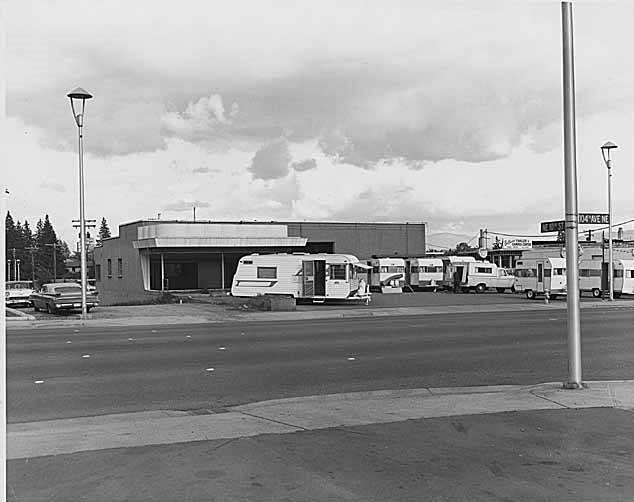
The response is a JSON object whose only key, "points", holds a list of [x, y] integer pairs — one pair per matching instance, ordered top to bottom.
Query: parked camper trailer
{"points": [[453, 270], [423, 273], [387, 274], [480, 276], [536, 276], [318, 277], [593, 277], [623, 277]]}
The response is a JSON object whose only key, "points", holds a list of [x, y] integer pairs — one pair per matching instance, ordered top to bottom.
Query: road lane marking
{"points": [[153, 331], [130, 339], [68, 341], [222, 348], [86, 356], [352, 359], [210, 369], [39, 381]]}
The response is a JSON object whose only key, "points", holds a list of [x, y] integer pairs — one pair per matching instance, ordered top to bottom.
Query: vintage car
{"points": [[18, 293], [58, 296]]}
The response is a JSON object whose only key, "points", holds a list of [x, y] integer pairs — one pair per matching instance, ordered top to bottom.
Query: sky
{"points": [[437, 111]]}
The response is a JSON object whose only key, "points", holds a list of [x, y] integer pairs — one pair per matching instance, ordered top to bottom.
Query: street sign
{"points": [[584, 219], [594, 219], [553, 226], [517, 244]]}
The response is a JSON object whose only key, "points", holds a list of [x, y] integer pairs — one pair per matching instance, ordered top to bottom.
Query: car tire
{"points": [[480, 288], [500, 290], [596, 293], [530, 294], [616, 295], [36, 308], [50, 309], [88, 309]]}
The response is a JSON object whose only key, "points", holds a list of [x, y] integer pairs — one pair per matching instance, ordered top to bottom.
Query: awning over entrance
{"points": [[219, 242]]}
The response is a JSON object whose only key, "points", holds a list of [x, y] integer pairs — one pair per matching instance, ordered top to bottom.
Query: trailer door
{"points": [[540, 276], [320, 277], [308, 278]]}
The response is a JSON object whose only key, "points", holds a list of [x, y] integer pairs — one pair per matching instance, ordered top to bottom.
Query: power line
{"points": [[542, 236]]}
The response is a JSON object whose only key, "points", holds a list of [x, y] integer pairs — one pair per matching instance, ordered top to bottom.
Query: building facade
{"points": [[152, 256]]}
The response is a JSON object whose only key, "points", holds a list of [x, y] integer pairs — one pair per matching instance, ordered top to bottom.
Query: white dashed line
{"points": [[75, 331], [153, 331], [188, 336], [68, 341], [222, 348], [86, 356], [352, 359], [210, 369], [39, 381]]}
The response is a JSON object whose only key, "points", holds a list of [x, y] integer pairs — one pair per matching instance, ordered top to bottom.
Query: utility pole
{"points": [[194, 213], [55, 245], [32, 249]]}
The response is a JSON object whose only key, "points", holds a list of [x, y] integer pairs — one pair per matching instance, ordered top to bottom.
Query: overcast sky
{"points": [[444, 112]]}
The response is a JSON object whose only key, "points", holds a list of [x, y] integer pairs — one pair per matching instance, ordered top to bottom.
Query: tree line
{"points": [[41, 255]]}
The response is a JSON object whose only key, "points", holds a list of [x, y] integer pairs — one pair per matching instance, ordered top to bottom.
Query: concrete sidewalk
{"points": [[203, 314], [54, 437], [462, 444]]}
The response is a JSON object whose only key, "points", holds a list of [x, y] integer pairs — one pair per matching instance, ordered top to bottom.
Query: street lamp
{"points": [[75, 97], [605, 152]]}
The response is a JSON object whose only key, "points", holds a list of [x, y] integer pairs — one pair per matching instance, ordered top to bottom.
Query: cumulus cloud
{"points": [[200, 120], [271, 161], [304, 165], [201, 170], [183, 205]]}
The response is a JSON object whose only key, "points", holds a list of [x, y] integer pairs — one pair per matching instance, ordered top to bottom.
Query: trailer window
{"points": [[392, 269], [414, 269], [484, 270], [338, 271], [559, 271], [267, 272], [547, 272], [584, 272], [594, 272], [618, 273], [631, 274]]}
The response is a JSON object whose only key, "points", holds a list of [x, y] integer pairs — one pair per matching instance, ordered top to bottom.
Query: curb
{"points": [[284, 416]]}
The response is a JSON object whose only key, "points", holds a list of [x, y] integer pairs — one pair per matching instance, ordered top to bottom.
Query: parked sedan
{"points": [[18, 293], [62, 296]]}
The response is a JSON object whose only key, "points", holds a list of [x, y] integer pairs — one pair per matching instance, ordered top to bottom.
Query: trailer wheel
{"points": [[480, 288], [596, 293], [530, 294], [616, 295]]}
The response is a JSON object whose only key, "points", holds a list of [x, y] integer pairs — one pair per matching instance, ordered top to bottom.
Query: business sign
{"points": [[594, 219], [553, 226], [517, 244]]}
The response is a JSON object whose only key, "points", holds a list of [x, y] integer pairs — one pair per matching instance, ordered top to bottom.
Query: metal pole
{"points": [[572, 211], [82, 222], [55, 262], [222, 267], [18, 270], [610, 270], [162, 273]]}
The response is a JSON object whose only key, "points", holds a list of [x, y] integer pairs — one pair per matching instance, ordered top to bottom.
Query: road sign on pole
{"points": [[594, 219], [553, 226]]}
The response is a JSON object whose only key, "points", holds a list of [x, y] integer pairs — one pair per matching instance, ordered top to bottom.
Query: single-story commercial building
{"points": [[150, 256]]}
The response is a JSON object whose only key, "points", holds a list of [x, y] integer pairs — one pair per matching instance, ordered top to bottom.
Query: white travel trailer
{"points": [[453, 270], [423, 272], [387, 274], [536, 276], [317, 277], [593, 277], [623, 277]]}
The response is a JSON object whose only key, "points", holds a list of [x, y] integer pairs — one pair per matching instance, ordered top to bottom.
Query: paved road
{"points": [[170, 367]]}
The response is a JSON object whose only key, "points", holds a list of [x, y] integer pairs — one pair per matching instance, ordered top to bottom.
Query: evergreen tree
{"points": [[104, 230], [45, 238]]}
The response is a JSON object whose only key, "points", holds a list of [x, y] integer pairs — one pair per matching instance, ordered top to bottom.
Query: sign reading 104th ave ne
{"points": [[584, 219], [593, 219]]}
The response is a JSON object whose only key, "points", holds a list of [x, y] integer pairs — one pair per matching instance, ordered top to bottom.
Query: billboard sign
{"points": [[517, 244]]}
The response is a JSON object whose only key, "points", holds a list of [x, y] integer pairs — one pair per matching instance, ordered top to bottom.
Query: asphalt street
{"points": [[70, 372]]}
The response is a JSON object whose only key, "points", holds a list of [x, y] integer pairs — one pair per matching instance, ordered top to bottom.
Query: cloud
{"points": [[201, 120], [271, 161], [304, 165], [201, 170], [56, 187], [183, 205]]}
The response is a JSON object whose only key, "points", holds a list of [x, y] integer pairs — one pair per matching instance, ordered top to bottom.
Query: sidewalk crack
{"points": [[550, 400], [273, 420]]}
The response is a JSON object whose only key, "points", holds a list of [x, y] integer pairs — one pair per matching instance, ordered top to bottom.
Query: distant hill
{"points": [[445, 240]]}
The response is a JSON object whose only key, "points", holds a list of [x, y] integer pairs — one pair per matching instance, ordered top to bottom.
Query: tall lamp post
{"points": [[76, 97], [605, 152]]}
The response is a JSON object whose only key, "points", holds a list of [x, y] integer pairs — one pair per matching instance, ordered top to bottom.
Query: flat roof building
{"points": [[152, 256]]}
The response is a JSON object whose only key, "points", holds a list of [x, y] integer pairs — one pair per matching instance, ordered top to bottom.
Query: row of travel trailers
{"points": [[318, 277]]}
